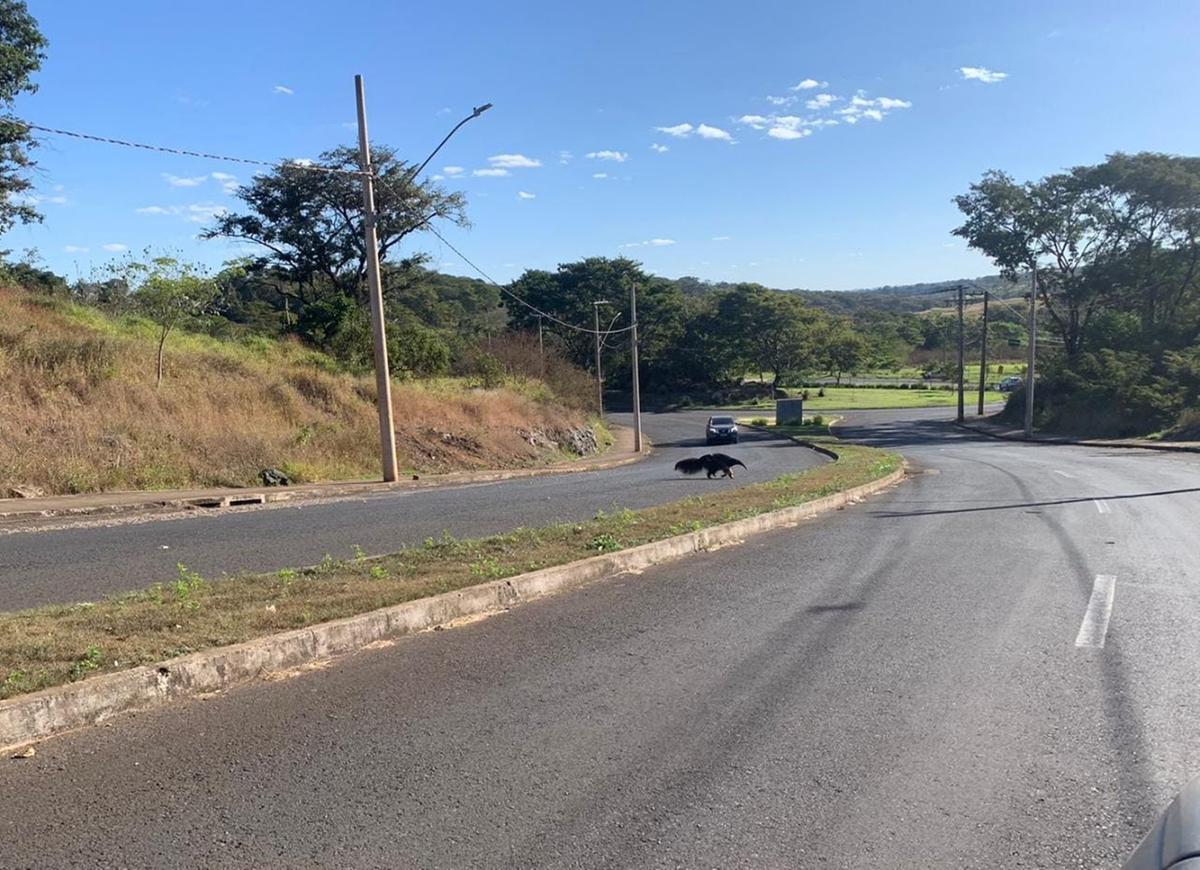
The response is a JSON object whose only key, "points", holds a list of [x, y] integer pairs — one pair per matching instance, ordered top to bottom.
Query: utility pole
{"points": [[541, 347], [961, 351], [983, 354], [1031, 362], [599, 377], [383, 380], [637, 395]]}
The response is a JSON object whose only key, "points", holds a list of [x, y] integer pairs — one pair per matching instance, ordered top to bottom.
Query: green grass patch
{"points": [[866, 398], [51, 646]]}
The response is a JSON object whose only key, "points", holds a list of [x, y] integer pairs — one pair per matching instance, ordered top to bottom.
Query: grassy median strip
{"points": [[50, 646]]}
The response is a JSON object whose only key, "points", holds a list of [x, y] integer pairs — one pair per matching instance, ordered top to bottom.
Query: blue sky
{"points": [[753, 188]]}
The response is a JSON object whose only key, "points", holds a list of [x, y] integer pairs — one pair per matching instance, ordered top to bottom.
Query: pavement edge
{"points": [[29, 718]]}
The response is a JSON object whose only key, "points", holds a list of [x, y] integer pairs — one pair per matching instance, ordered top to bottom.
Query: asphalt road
{"points": [[83, 564], [893, 685]]}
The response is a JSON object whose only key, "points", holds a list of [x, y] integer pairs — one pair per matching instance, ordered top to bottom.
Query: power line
{"points": [[186, 152], [514, 296]]}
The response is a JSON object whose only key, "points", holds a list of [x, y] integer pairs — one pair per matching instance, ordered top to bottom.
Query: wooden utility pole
{"points": [[541, 347], [961, 351], [983, 354], [1032, 359], [599, 376], [383, 380], [637, 396]]}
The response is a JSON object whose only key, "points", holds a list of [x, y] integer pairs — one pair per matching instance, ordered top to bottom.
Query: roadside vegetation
{"points": [[1117, 251], [83, 410], [55, 645]]}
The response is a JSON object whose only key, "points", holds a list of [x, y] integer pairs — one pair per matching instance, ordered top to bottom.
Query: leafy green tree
{"points": [[22, 50], [309, 223], [169, 292], [774, 331], [843, 350]]}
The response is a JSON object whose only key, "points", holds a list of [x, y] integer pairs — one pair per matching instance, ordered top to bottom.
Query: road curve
{"points": [[83, 564], [893, 685]]}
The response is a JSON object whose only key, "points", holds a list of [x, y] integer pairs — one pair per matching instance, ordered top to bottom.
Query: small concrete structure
{"points": [[789, 412]]}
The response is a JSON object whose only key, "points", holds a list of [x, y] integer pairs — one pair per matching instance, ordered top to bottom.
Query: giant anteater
{"points": [[712, 463]]}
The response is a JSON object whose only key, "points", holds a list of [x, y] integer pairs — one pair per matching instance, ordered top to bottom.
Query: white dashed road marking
{"points": [[1102, 506], [1099, 611]]}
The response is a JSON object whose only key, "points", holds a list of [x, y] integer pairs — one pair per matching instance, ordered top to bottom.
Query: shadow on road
{"points": [[1030, 504]]}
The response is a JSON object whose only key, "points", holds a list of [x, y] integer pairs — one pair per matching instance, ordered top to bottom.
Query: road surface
{"points": [[83, 564], [917, 681]]}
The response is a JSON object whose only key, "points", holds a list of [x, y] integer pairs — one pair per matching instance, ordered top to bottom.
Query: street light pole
{"points": [[961, 352], [983, 354], [1032, 359], [599, 377], [383, 380], [637, 396]]}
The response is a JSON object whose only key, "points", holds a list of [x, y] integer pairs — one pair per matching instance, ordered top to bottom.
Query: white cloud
{"points": [[982, 74], [808, 85], [283, 89], [781, 101], [821, 101], [890, 103], [873, 114], [758, 122], [679, 130], [706, 132], [788, 133], [661, 149], [615, 156], [565, 157], [301, 161], [513, 161], [453, 170], [489, 173], [599, 175], [436, 177], [177, 181], [229, 183], [523, 195], [196, 213], [721, 238], [649, 243], [115, 247], [75, 249]]}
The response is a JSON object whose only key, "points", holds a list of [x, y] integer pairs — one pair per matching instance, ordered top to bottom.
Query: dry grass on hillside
{"points": [[79, 411]]}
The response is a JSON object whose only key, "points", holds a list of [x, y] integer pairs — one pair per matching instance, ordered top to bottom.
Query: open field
{"points": [[53, 645]]}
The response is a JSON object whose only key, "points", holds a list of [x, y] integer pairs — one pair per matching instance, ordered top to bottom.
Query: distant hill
{"points": [[909, 298], [896, 299]]}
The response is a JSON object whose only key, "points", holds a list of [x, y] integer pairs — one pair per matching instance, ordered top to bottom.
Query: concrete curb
{"points": [[1055, 440], [816, 448], [11, 510], [28, 718]]}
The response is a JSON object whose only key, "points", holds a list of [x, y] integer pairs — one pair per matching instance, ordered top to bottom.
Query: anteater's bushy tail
{"points": [[690, 466]]}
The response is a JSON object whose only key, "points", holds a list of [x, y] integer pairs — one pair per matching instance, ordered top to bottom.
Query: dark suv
{"points": [[721, 430]]}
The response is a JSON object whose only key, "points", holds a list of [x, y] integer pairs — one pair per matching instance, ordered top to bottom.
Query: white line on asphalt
{"points": [[1063, 473], [1102, 506], [1099, 611]]}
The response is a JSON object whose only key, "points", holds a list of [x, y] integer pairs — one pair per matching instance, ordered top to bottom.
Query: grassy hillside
{"points": [[79, 410]]}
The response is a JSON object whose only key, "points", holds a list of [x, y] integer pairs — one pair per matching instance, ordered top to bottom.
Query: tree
{"points": [[21, 54], [309, 221], [168, 292], [774, 330], [843, 350]]}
